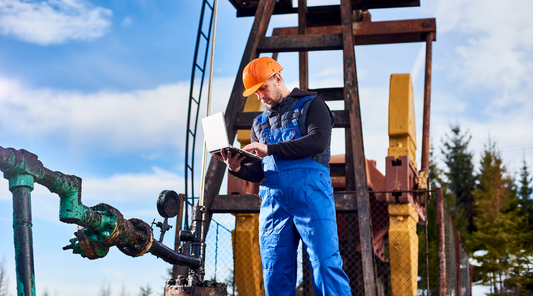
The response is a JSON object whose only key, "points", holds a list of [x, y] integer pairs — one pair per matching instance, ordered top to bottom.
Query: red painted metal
{"points": [[401, 175]]}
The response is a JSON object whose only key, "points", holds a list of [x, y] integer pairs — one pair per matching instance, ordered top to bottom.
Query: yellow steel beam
{"points": [[402, 124], [245, 237], [403, 240], [403, 249]]}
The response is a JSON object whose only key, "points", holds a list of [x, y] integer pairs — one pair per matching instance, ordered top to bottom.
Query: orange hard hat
{"points": [[257, 72]]}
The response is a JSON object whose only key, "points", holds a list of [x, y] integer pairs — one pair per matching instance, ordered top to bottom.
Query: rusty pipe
{"points": [[427, 104], [103, 225], [132, 237], [441, 242]]}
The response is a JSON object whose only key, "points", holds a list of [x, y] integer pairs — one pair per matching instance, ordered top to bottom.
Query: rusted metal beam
{"points": [[247, 8], [367, 32], [300, 43], [302, 55], [330, 94], [427, 104], [244, 120], [357, 150], [216, 169], [236, 203], [251, 203], [441, 241]]}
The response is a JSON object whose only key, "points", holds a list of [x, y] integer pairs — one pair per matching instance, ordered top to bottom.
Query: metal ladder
{"points": [[194, 103]]}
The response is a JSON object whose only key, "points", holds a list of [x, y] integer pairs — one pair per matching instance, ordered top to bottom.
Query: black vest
{"points": [[282, 116]]}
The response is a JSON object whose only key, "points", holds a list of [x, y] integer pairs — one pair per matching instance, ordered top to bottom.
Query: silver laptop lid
{"points": [[215, 133]]}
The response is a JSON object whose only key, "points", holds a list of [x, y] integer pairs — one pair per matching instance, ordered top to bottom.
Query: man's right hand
{"points": [[233, 162]]}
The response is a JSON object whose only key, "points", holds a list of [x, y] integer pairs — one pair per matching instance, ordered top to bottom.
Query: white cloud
{"points": [[53, 21], [126, 22], [492, 48], [124, 121], [131, 187], [134, 194]]}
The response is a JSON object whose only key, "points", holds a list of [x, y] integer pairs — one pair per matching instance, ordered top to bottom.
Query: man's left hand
{"points": [[260, 149]]}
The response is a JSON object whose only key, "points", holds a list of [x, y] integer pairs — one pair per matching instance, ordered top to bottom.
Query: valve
{"points": [[168, 206]]}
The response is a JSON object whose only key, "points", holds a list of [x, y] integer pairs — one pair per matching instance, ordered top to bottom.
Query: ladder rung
{"points": [[205, 37], [199, 68]]}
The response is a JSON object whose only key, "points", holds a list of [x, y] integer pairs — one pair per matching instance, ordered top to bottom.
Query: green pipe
{"points": [[21, 187], [104, 226]]}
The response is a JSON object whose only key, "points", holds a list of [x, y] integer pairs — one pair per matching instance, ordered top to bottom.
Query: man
{"points": [[293, 137]]}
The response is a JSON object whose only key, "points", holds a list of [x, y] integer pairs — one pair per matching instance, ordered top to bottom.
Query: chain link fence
{"points": [[450, 244], [406, 259], [455, 279]]}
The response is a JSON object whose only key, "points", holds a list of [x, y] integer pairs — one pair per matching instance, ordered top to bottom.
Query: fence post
{"points": [[441, 241], [458, 259], [471, 277]]}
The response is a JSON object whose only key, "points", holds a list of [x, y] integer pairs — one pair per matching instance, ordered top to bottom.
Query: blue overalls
{"points": [[297, 202]]}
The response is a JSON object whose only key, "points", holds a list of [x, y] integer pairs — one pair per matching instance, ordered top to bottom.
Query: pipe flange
{"points": [[107, 233], [144, 242], [90, 249]]}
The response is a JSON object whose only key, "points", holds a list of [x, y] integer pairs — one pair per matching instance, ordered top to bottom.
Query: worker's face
{"points": [[270, 93]]}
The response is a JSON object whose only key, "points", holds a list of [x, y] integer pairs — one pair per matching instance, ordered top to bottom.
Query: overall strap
{"points": [[298, 108], [263, 120]]}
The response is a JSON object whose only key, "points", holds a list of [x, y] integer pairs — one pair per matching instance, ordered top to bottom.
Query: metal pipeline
{"points": [[100, 227], [173, 257]]}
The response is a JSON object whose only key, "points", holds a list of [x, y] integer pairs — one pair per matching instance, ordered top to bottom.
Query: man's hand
{"points": [[260, 149], [233, 162]]}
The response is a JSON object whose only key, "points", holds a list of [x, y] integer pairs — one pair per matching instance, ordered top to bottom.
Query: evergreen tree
{"points": [[460, 172], [524, 193], [498, 222], [521, 277], [3, 280], [105, 290], [145, 291]]}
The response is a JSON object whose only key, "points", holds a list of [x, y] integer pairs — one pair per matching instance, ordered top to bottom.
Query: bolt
{"points": [[111, 224], [106, 234], [94, 237]]}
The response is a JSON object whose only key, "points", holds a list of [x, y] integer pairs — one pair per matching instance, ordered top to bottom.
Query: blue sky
{"points": [[99, 89]]}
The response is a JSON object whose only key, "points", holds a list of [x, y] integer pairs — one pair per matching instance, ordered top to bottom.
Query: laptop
{"points": [[216, 138]]}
